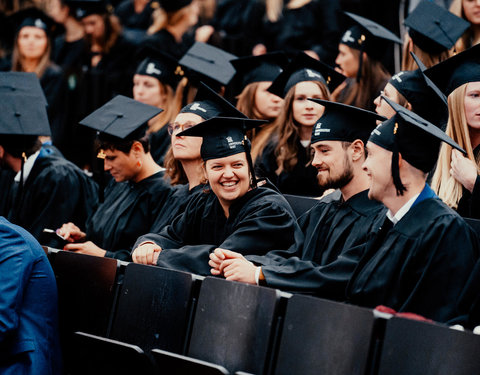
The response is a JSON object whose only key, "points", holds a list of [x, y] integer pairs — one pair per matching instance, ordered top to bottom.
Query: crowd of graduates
{"points": [[167, 133]]}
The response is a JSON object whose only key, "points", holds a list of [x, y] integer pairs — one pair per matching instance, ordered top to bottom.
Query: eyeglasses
{"points": [[176, 128]]}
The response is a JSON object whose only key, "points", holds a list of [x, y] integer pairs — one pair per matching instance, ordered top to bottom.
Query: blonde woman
{"points": [[469, 11], [456, 179]]}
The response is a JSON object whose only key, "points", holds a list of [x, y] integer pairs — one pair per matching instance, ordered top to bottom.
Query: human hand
{"points": [[203, 33], [259, 49], [463, 170], [71, 233], [88, 248], [146, 253], [217, 258], [239, 269]]}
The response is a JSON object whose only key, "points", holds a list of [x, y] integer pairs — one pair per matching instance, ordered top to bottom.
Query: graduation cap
{"points": [[174, 5], [83, 8], [33, 17], [433, 28], [367, 36], [203, 62], [159, 65], [262, 68], [304, 68], [457, 70], [428, 81], [21, 83], [424, 100], [209, 104], [23, 115], [121, 118], [342, 122], [225, 136], [412, 136]]}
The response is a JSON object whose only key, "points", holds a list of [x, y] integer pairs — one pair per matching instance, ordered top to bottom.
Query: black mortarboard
{"points": [[174, 5], [83, 8], [32, 17], [433, 28], [367, 36], [209, 64], [159, 65], [262, 68], [304, 68], [457, 70], [428, 81], [21, 83], [425, 102], [209, 104], [23, 114], [121, 118], [341, 122], [416, 139]]}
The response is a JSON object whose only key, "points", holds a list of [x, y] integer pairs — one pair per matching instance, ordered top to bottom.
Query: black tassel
{"points": [[360, 61], [246, 146], [395, 172]]}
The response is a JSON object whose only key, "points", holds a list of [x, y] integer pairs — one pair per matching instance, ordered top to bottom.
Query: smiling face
{"points": [[32, 42], [267, 105], [382, 107], [305, 112], [185, 148], [333, 163], [378, 167], [229, 177]]}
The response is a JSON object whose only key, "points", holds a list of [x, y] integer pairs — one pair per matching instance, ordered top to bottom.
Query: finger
{"points": [[219, 253], [226, 263], [214, 265], [215, 272]]}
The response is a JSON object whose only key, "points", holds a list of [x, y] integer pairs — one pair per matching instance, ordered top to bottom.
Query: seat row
{"points": [[124, 318]]}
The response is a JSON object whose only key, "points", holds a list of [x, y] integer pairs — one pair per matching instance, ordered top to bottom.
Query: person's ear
{"points": [[358, 149]]}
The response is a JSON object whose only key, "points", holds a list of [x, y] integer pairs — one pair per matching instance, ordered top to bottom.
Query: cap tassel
{"points": [[360, 60], [246, 146], [395, 172], [18, 198]]}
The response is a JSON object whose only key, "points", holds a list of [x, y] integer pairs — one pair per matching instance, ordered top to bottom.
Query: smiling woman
{"points": [[234, 213]]}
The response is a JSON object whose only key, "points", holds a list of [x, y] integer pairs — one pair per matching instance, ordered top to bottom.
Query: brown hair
{"points": [[163, 19], [465, 41], [429, 59], [43, 64], [361, 94], [169, 112], [287, 131], [123, 145], [174, 170], [446, 187]]}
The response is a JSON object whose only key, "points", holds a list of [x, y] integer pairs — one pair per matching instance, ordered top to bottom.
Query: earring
{"points": [[139, 164]]}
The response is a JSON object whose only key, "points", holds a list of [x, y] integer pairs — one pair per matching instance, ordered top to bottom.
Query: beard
{"points": [[339, 181]]}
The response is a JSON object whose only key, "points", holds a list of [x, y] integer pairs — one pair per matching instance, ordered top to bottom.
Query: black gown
{"points": [[314, 26], [165, 41], [160, 141], [6, 177], [301, 180], [55, 192], [469, 204], [129, 210], [259, 221], [330, 228], [421, 265]]}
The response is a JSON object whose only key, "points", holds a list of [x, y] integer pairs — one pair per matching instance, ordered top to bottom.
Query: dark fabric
{"points": [[125, 11], [315, 26], [165, 41], [160, 141], [302, 180], [6, 181], [55, 192], [469, 204], [129, 210], [259, 221], [330, 228], [421, 266], [29, 340]]}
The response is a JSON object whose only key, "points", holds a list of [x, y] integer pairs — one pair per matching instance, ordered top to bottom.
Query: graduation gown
{"points": [[165, 41], [160, 141], [6, 180], [301, 180], [55, 192], [469, 204], [129, 210], [258, 222], [330, 228], [421, 265]]}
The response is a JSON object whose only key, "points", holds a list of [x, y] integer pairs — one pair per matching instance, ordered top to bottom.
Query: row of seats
{"points": [[135, 319]]}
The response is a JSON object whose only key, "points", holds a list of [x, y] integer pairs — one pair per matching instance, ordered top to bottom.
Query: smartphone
{"points": [[60, 238]]}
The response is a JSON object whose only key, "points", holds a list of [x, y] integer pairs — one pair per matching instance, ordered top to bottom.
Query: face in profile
{"points": [[94, 27], [32, 42], [347, 61], [267, 105], [381, 106], [472, 106], [305, 112], [185, 148], [333, 163], [122, 166], [378, 167], [229, 177]]}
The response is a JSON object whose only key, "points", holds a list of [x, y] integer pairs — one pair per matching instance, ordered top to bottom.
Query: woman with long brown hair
{"points": [[469, 11], [359, 59], [286, 158], [456, 179]]}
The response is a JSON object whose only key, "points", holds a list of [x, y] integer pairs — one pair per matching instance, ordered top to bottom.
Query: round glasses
{"points": [[177, 128]]}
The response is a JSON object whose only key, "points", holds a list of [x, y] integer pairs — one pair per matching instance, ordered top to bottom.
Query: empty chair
{"points": [[300, 204], [154, 308], [234, 325], [324, 337], [412, 347], [95, 355], [176, 364]]}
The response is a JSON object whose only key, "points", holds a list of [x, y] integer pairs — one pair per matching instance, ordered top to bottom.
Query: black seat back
{"points": [[300, 204], [176, 364]]}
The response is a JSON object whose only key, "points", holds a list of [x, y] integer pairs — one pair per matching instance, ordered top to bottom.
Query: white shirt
{"points": [[27, 167], [402, 211]]}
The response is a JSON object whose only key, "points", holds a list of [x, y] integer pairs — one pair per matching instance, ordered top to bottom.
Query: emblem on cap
{"points": [[40, 24], [347, 37], [151, 69], [313, 74], [398, 77], [196, 107], [231, 143]]}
